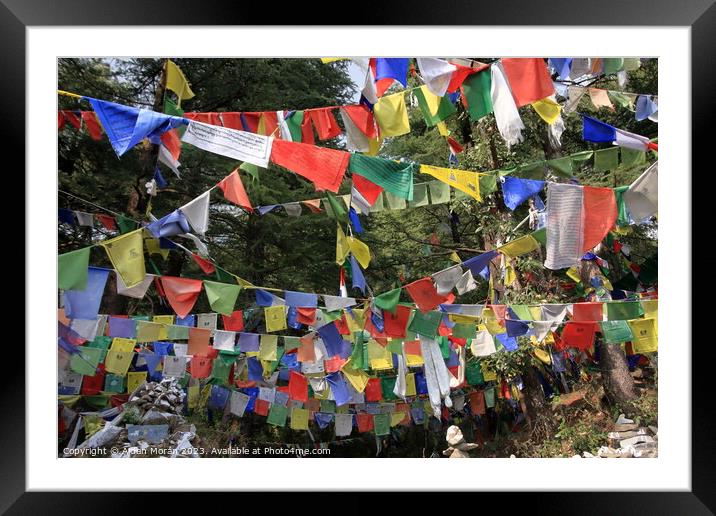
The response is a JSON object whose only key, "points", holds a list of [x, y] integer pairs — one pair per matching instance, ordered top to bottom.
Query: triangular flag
{"points": [[177, 83], [234, 191], [197, 213], [181, 293], [222, 296]]}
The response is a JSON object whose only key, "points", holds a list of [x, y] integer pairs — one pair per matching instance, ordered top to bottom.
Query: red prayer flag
{"points": [[460, 74], [529, 79], [382, 85], [72, 118], [270, 119], [363, 119], [60, 120], [232, 121], [251, 121], [325, 123], [94, 129], [307, 130], [172, 142], [325, 167], [367, 188], [234, 190], [313, 204], [600, 215], [107, 221], [205, 265], [181, 293], [424, 294], [587, 312], [305, 315], [234, 322], [395, 324], [579, 335], [199, 341], [412, 347], [333, 364], [200, 367], [92, 385], [297, 386], [373, 390], [477, 403], [261, 407], [365, 422]]}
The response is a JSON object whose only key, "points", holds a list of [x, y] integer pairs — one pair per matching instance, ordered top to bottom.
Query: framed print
{"points": [[429, 239]]}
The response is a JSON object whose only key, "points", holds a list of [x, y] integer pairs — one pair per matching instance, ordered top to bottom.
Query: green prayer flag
{"points": [[631, 63], [612, 64], [476, 91], [622, 100], [170, 108], [445, 108], [294, 126], [632, 157], [580, 158], [606, 159], [561, 166], [252, 170], [534, 170], [395, 177], [488, 184], [439, 192], [420, 195], [393, 202], [378, 205], [335, 209], [622, 212], [125, 224], [540, 235], [72, 269], [223, 276], [222, 296], [388, 300], [522, 311], [141, 317], [425, 324], [464, 331], [177, 332], [616, 332], [291, 342], [102, 343], [444, 344], [395, 346], [85, 362], [221, 368], [473, 373], [184, 380], [113, 383], [387, 384], [489, 397], [328, 406], [277, 415], [381, 424]]}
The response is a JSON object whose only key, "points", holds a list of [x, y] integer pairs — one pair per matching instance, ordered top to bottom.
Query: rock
{"points": [[623, 420], [625, 427], [636, 440], [588, 455]]}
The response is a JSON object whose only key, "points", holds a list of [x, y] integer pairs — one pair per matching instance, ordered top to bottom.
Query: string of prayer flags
{"points": [[176, 82], [391, 114], [127, 126], [324, 167], [234, 190], [181, 293]]}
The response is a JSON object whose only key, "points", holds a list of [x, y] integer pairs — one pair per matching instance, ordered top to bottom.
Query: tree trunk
{"points": [[618, 383], [539, 412]]}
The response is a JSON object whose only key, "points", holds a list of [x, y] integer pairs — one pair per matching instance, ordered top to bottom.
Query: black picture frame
{"points": [[700, 15]]}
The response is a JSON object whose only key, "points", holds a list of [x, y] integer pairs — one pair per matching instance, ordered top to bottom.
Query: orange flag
{"points": [[529, 79], [234, 191], [600, 214], [181, 293]]}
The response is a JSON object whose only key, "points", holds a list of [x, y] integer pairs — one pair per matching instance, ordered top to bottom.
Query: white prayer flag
{"points": [[240, 145]]}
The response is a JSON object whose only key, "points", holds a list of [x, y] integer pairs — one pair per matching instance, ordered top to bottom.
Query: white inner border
{"points": [[672, 470]]}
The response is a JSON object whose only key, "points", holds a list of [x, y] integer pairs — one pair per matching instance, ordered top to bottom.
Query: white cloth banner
{"points": [[436, 73], [574, 95], [504, 108], [631, 140], [240, 145], [642, 196], [197, 213], [84, 219], [565, 225], [446, 280], [466, 284], [137, 291], [334, 303], [555, 313], [540, 329], [224, 340], [483, 344], [174, 366], [437, 375], [239, 402], [344, 424]]}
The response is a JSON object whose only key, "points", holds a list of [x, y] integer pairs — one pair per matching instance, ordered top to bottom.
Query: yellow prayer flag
{"points": [[326, 60], [177, 83], [547, 109], [391, 114], [442, 129], [374, 146], [463, 180], [343, 246], [519, 246], [153, 247], [360, 250], [126, 253], [455, 257], [574, 274], [510, 275], [244, 283], [651, 311], [535, 312], [275, 318], [163, 319], [462, 319], [491, 323], [150, 331], [645, 335], [122, 344], [268, 347], [543, 355], [380, 357], [413, 361], [118, 362], [487, 374], [357, 377], [135, 379], [410, 384], [193, 393], [396, 418], [299, 419]]}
